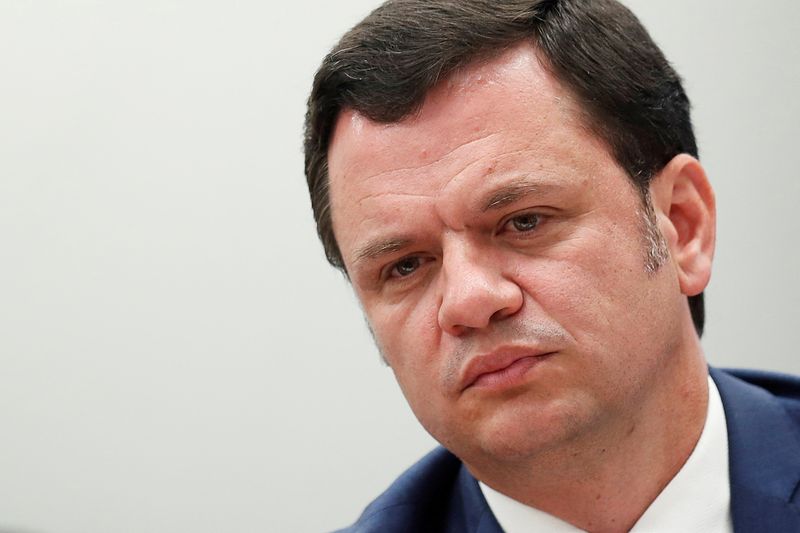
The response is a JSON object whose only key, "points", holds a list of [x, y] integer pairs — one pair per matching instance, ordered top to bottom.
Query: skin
{"points": [[492, 222]]}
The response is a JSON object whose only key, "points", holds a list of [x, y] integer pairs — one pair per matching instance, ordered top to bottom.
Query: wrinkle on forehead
{"points": [[490, 160], [390, 194]]}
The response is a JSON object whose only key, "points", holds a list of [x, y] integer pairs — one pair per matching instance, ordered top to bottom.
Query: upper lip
{"points": [[496, 360]]}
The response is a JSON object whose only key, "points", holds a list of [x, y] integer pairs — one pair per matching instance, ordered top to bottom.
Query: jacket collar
{"points": [[764, 456]]}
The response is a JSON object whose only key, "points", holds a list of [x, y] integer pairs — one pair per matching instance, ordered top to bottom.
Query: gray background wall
{"points": [[175, 355]]}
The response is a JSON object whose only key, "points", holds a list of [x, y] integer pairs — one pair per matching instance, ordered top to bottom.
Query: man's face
{"points": [[499, 254]]}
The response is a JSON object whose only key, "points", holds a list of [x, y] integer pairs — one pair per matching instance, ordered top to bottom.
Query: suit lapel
{"points": [[764, 457]]}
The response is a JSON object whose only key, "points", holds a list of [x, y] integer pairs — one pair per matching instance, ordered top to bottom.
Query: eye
{"points": [[522, 223], [405, 267]]}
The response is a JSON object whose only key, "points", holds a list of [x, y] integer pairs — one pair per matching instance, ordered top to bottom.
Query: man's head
{"points": [[626, 91], [504, 216]]}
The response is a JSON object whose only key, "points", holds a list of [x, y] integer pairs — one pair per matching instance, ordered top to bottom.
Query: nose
{"points": [[475, 291]]}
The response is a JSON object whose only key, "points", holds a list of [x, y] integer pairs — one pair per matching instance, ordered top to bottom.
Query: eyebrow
{"points": [[511, 193], [381, 247]]}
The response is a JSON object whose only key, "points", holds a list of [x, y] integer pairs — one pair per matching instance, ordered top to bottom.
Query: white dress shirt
{"points": [[697, 500]]}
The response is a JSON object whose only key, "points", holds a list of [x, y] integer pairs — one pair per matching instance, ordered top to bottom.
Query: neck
{"points": [[605, 481]]}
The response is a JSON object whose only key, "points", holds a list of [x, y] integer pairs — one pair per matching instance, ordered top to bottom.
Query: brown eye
{"points": [[524, 223], [405, 267]]}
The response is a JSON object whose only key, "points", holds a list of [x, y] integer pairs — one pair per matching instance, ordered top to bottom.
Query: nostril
{"points": [[500, 314]]}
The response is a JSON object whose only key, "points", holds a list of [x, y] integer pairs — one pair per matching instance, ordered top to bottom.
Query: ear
{"points": [[686, 213]]}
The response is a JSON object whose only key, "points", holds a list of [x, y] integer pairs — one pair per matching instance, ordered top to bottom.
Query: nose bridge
{"points": [[474, 289]]}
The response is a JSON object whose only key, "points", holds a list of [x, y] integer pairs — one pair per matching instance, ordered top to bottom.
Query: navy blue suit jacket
{"points": [[762, 410]]}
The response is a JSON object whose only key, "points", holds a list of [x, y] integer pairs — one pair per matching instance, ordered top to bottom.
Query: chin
{"points": [[516, 434], [523, 443]]}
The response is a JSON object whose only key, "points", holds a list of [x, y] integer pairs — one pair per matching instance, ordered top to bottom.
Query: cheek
{"points": [[592, 287], [603, 297], [409, 337], [411, 343]]}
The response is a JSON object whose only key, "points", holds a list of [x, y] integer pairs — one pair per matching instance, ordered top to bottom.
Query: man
{"points": [[514, 192]]}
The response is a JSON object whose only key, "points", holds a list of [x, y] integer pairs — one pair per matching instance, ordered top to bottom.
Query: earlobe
{"points": [[686, 212]]}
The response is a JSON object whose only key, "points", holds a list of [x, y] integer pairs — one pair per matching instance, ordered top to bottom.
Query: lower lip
{"points": [[509, 376]]}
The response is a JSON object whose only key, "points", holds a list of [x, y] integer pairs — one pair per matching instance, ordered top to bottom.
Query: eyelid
{"points": [[530, 212], [386, 271]]}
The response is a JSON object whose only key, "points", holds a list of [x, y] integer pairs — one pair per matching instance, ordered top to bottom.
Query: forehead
{"points": [[511, 92]]}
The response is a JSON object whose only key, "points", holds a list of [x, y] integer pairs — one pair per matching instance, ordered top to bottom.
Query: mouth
{"points": [[501, 369]]}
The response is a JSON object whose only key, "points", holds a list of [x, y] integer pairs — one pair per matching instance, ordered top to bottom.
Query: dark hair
{"points": [[597, 49]]}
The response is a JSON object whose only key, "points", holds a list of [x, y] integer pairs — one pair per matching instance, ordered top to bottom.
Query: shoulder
{"points": [[775, 382], [779, 389], [416, 501]]}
